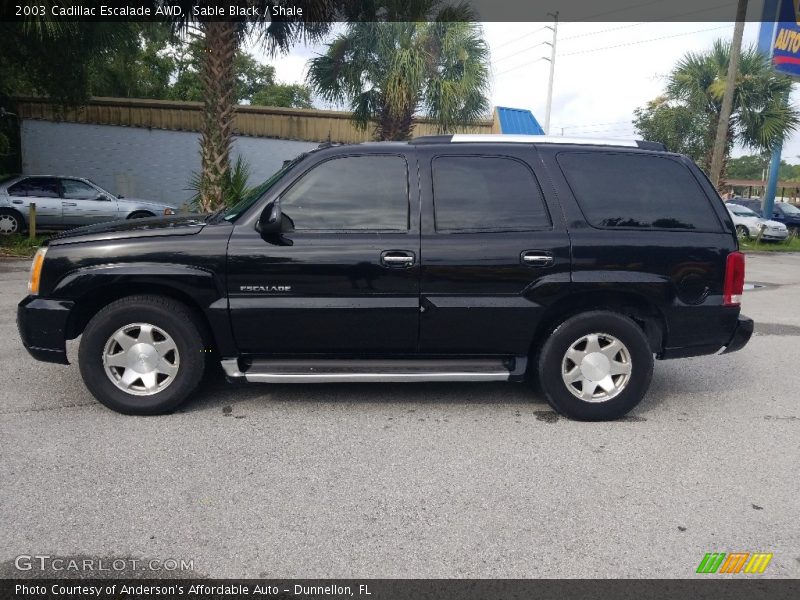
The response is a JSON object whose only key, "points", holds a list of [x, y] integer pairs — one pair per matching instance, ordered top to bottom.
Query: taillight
{"points": [[734, 279]]}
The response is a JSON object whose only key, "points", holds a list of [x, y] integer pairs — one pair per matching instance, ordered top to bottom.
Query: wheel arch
{"points": [[14, 211], [143, 213], [198, 290], [635, 306]]}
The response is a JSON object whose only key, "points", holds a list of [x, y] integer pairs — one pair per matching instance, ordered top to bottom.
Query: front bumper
{"points": [[42, 325], [741, 335]]}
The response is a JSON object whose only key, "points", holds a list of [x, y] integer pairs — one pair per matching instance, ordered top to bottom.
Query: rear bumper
{"points": [[42, 325], [741, 335]]}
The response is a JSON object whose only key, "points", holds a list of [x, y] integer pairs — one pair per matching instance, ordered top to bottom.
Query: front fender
{"points": [[196, 286]]}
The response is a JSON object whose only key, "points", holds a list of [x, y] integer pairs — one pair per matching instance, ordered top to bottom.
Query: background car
{"points": [[65, 202], [783, 212], [748, 224]]}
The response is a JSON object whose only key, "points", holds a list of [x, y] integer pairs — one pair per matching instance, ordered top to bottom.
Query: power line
{"points": [[524, 35], [666, 37], [518, 51], [519, 67]]}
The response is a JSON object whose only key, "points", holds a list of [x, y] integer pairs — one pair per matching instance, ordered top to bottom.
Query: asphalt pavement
{"points": [[413, 480]]}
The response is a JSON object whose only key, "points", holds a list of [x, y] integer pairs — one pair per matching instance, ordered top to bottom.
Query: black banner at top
{"points": [[377, 10]]}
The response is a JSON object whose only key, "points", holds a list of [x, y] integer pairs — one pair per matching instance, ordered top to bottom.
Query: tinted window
{"points": [[41, 187], [78, 190], [630, 190], [352, 192], [477, 193]]}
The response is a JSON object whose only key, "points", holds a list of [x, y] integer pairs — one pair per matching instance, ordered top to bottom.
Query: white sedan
{"points": [[749, 223]]}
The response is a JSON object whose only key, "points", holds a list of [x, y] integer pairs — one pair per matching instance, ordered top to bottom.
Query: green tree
{"points": [[221, 41], [432, 65], [292, 95], [761, 114], [678, 127], [747, 167]]}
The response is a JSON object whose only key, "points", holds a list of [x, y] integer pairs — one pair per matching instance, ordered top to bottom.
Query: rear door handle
{"points": [[16, 202], [536, 258], [398, 259]]}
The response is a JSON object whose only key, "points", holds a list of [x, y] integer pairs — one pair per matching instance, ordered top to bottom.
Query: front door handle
{"points": [[16, 202], [70, 203], [536, 258], [401, 259]]}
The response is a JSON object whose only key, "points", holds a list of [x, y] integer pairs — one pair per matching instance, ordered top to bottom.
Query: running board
{"points": [[372, 370]]}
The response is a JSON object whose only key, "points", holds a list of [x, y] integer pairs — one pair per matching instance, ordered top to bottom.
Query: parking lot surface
{"points": [[414, 480]]}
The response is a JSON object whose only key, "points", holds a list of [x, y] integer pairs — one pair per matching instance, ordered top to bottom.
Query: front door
{"points": [[42, 191], [84, 204], [495, 253], [345, 278]]}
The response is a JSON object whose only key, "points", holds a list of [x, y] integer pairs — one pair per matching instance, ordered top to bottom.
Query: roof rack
{"points": [[533, 139]]}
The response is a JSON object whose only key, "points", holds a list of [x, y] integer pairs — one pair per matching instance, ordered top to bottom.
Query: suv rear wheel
{"points": [[142, 355], [595, 366]]}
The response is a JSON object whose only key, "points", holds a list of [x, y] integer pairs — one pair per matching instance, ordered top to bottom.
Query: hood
{"points": [[129, 228]]}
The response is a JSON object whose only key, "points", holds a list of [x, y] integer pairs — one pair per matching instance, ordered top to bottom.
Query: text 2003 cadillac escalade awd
{"points": [[447, 258]]}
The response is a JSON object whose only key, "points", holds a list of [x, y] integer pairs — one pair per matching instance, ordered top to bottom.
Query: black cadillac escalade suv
{"points": [[447, 258]]}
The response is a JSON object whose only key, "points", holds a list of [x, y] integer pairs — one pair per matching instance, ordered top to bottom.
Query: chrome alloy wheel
{"points": [[8, 225], [141, 359], [596, 368]]}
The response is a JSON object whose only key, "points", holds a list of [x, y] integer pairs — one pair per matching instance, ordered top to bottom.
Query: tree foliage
{"points": [[389, 72], [692, 102]]}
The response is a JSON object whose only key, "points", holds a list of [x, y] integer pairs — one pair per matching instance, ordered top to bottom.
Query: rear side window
{"points": [[40, 187], [637, 191], [351, 193], [486, 193]]}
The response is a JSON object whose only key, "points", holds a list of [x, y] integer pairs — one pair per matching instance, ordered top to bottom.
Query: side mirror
{"points": [[270, 221]]}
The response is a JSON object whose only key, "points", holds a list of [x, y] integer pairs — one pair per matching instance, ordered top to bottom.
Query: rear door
{"points": [[45, 193], [84, 204], [495, 252], [345, 279]]}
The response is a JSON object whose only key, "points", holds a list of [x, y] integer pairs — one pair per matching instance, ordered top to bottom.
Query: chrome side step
{"points": [[371, 370]]}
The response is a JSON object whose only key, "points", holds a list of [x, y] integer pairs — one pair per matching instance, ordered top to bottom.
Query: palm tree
{"points": [[221, 41], [391, 71], [761, 114]]}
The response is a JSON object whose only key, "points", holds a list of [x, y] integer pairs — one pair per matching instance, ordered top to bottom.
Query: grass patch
{"points": [[20, 245], [790, 245]]}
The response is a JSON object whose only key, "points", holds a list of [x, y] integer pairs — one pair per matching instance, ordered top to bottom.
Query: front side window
{"points": [[37, 187], [75, 189], [627, 190], [351, 193], [486, 193]]}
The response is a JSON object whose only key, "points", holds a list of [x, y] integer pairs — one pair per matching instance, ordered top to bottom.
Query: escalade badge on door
{"points": [[265, 288]]}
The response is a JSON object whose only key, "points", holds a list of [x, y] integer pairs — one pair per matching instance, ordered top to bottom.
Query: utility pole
{"points": [[552, 60], [721, 141]]}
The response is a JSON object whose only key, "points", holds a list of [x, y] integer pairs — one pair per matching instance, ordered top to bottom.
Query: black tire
{"points": [[140, 214], [13, 220], [742, 232], [168, 315], [553, 354]]}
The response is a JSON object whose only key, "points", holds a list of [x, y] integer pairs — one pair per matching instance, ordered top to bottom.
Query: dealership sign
{"points": [[779, 36]]}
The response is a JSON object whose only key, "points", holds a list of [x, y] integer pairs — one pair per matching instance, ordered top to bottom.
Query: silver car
{"points": [[64, 202]]}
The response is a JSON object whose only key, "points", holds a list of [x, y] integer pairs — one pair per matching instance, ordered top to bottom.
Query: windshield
{"points": [[789, 209], [235, 211], [741, 211]]}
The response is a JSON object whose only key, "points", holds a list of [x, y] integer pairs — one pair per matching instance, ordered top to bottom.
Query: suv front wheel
{"points": [[142, 355], [595, 366]]}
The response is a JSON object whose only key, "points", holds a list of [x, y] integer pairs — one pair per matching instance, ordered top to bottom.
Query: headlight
{"points": [[169, 211], [36, 271]]}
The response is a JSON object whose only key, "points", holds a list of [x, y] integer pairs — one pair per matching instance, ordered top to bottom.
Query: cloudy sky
{"points": [[603, 70]]}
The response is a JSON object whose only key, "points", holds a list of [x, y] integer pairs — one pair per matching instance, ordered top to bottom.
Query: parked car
{"points": [[65, 202], [783, 212], [748, 224], [446, 258]]}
